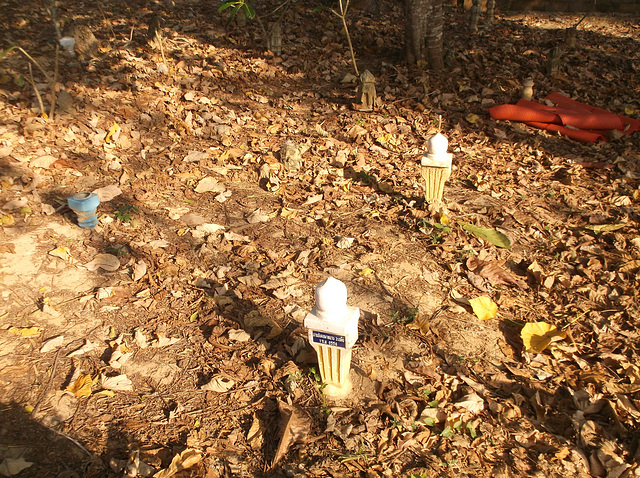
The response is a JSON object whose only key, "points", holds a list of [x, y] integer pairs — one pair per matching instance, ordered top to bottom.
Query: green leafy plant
{"points": [[237, 6], [364, 177], [125, 213], [436, 230], [490, 235], [117, 251], [411, 314], [404, 317], [313, 373], [395, 423], [447, 432], [362, 453], [422, 474]]}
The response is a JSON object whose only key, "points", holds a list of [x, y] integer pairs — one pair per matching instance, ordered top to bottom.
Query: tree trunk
{"points": [[423, 32]]}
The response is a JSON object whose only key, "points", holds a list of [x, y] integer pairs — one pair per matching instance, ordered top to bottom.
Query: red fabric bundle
{"points": [[571, 118]]}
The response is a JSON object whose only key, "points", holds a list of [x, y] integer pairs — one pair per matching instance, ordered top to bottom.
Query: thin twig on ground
{"points": [[35, 89], [48, 385]]}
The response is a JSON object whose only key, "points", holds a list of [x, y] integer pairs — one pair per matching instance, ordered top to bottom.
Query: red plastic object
{"points": [[571, 118]]}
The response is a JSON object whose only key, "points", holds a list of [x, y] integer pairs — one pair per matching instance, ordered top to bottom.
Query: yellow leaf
{"points": [[629, 111], [472, 118], [111, 132], [387, 138], [223, 157], [288, 213], [8, 220], [444, 220], [61, 252], [365, 272], [484, 307], [25, 331], [536, 336], [82, 386], [106, 393], [28, 408]]}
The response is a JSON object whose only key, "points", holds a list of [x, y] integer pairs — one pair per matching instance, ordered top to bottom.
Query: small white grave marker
{"points": [[333, 330]]}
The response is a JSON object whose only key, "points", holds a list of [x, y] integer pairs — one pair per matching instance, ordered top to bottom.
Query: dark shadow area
{"points": [[50, 453]]}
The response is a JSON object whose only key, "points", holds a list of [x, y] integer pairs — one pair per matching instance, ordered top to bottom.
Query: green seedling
{"points": [[236, 6], [364, 177], [125, 213], [436, 230], [117, 251], [406, 317], [313, 373], [447, 432]]}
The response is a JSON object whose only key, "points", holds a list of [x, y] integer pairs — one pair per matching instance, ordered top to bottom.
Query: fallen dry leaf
{"points": [[209, 184], [107, 193], [257, 216], [62, 253], [108, 262], [139, 270], [493, 273], [484, 307], [25, 331], [536, 336], [140, 339], [165, 341], [52, 344], [87, 347], [120, 353], [118, 383], [219, 384], [81, 386], [472, 403], [294, 427], [255, 435], [181, 461], [13, 466]]}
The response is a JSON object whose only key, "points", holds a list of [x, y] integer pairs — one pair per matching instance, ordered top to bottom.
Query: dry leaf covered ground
{"points": [[171, 336]]}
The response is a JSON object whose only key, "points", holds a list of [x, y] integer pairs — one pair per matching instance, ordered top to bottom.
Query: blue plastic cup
{"points": [[84, 204]]}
